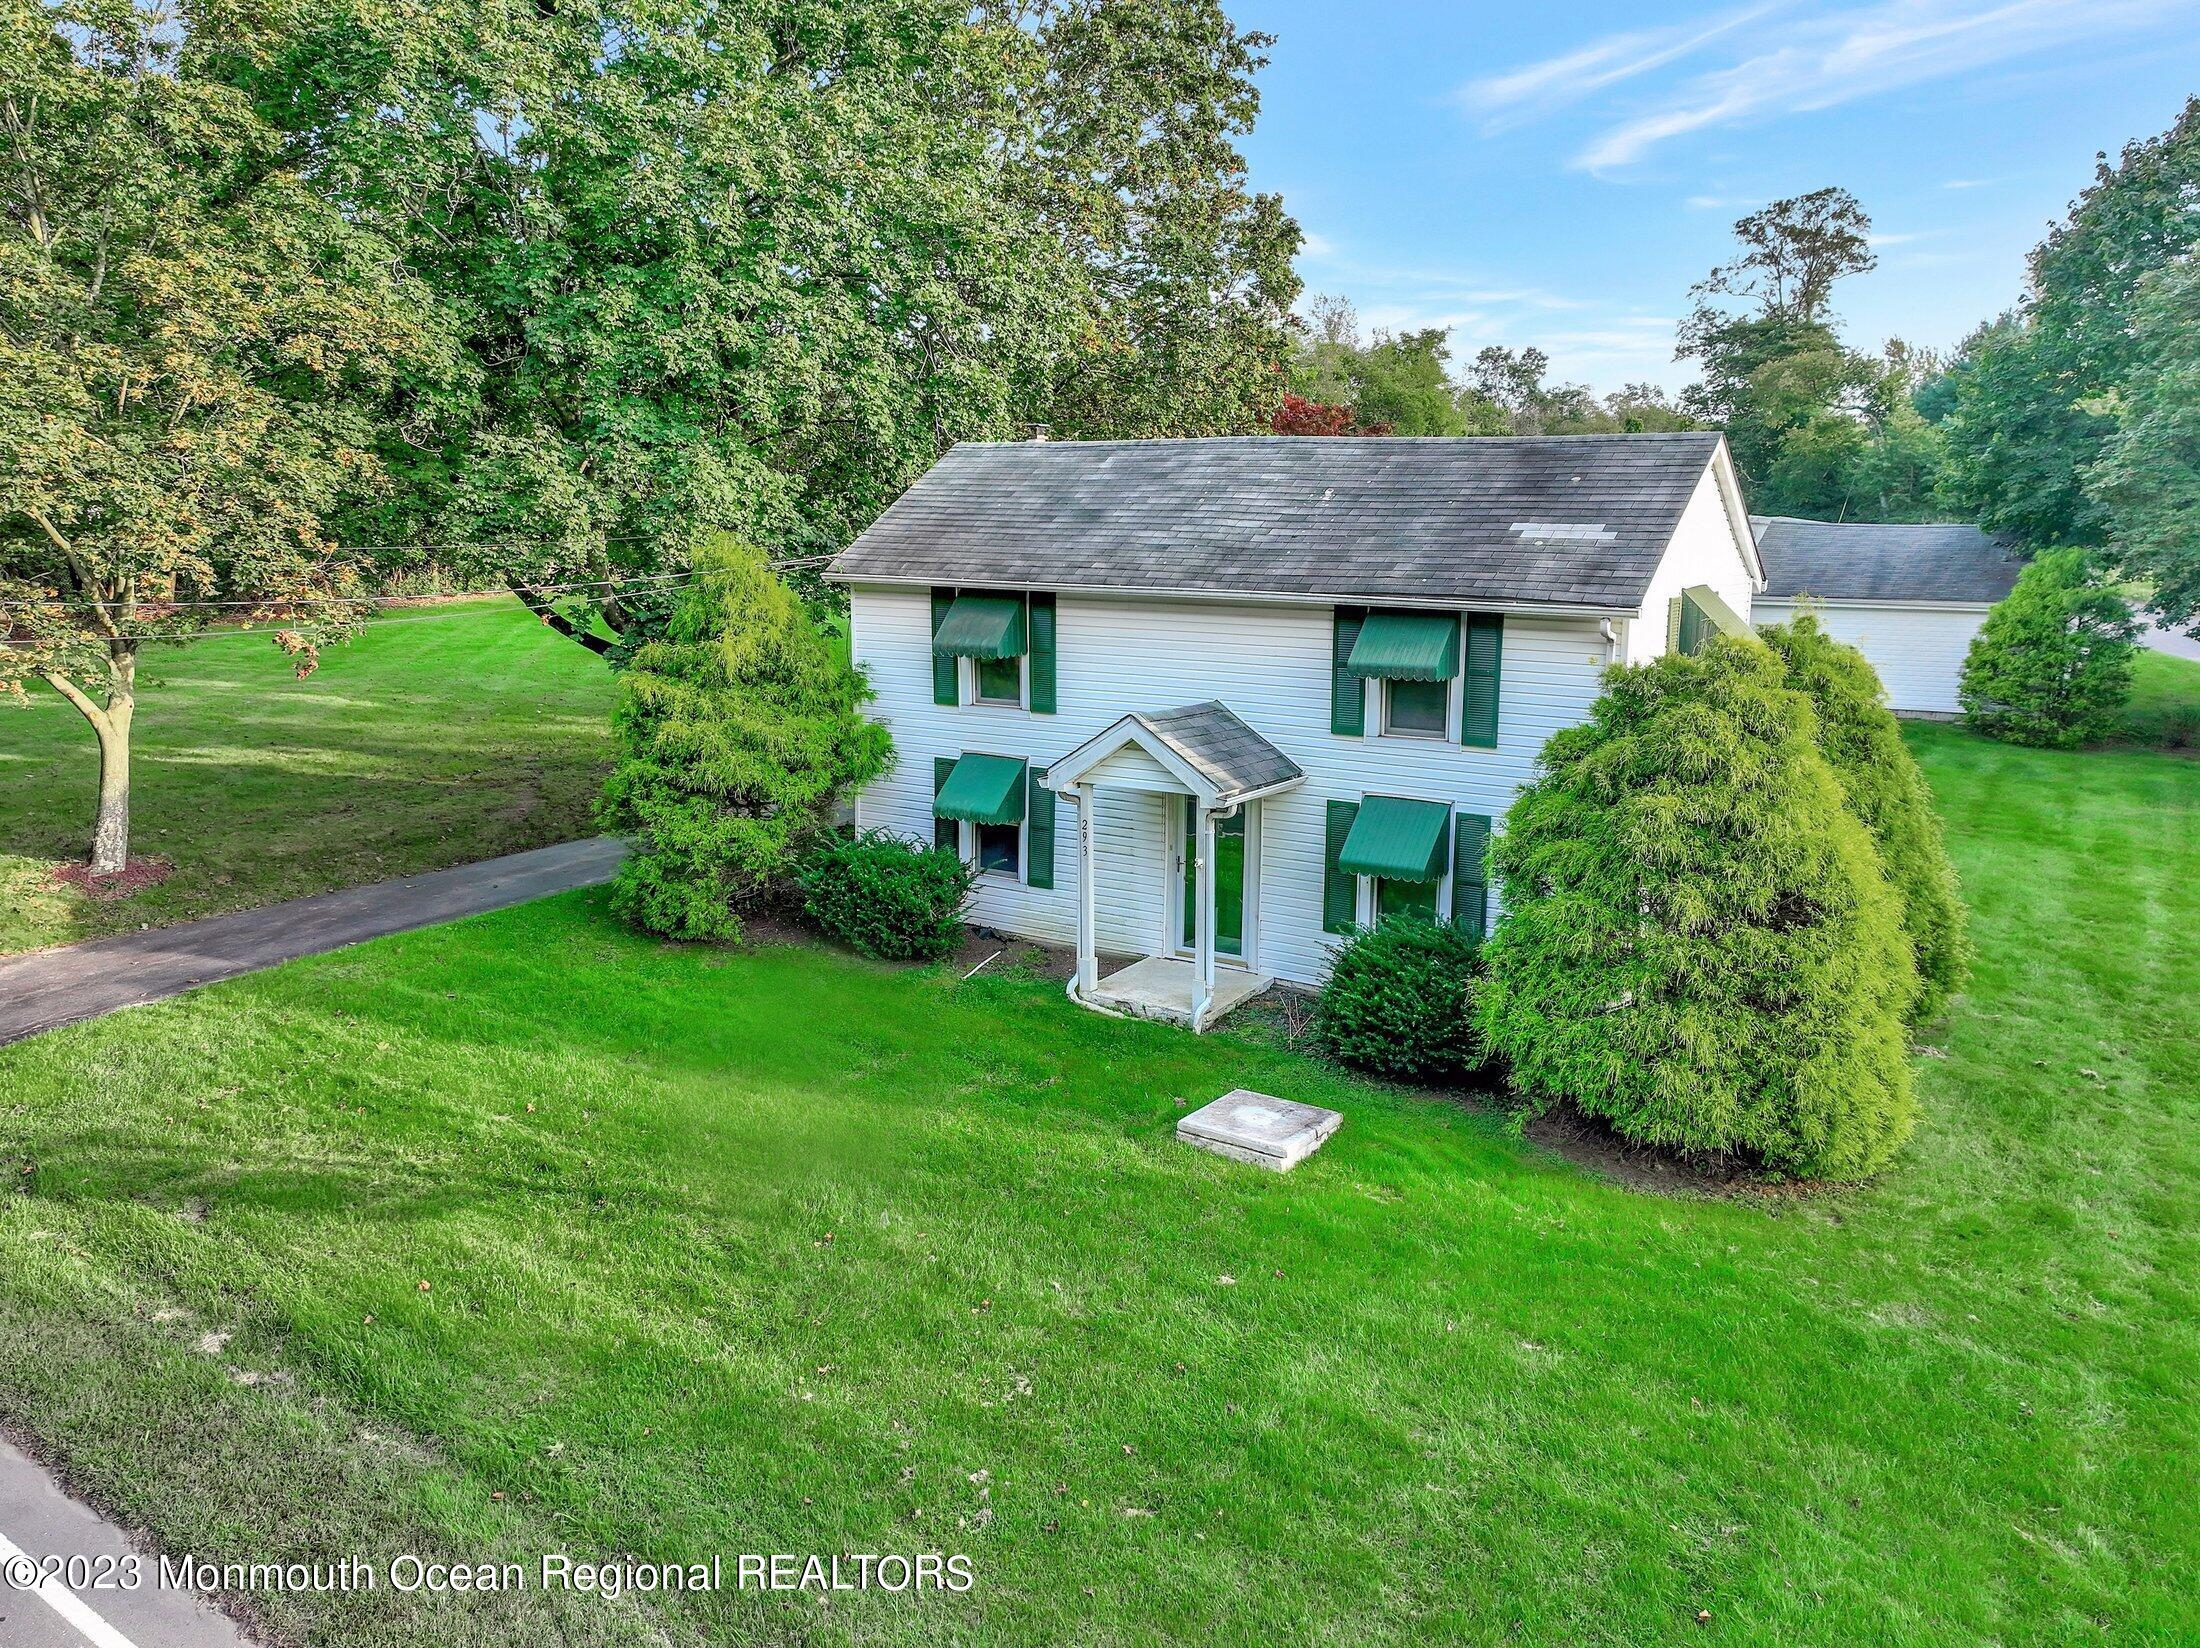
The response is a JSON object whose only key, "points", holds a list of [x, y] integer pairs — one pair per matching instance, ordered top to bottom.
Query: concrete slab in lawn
{"points": [[1259, 1128]]}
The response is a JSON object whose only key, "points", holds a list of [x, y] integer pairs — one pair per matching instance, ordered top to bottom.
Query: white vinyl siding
{"points": [[1704, 550], [1917, 648], [1269, 663]]}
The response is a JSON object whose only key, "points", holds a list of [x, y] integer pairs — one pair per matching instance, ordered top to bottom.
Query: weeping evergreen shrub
{"points": [[739, 732], [1859, 737], [1698, 942]]}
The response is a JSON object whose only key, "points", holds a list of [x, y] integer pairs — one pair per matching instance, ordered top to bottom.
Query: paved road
{"points": [[2173, 641], [49, 988], [96, 1604], [41, 1609]]}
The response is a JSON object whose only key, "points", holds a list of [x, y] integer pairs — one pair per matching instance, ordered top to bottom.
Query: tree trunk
{"points": [[111, 826]]}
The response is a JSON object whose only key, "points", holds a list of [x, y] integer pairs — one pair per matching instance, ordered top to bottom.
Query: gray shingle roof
{"points": [[1570, 520], [1862, 561], [1235, 758]]}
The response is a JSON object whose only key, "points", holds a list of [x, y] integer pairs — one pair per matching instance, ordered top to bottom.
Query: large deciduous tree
{"points": [[1792, 252], [751, 267], [189, 339], [2062, 421], [1817, 429], [2148, 476]]}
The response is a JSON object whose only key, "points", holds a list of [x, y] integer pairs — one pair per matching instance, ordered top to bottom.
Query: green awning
{"points": [[982, 626], [1407, 646], [986, 789], [1403, 840]]}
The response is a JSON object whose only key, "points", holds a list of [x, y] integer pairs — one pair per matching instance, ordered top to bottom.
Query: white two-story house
{"points": [[1202, 707]]}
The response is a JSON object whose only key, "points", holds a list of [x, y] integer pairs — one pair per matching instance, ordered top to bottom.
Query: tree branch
{"points": [[100, 615], [558, 621], [75, 695]]}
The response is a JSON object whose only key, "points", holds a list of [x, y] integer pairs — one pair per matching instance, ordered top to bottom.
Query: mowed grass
{"points": [[2164, 712], [441, 735], [684, 1252]]}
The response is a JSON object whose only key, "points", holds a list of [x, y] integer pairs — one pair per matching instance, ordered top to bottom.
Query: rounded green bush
{"points": [[2051, 666], [887, 896], [1699, 944], [1399, 1001]]}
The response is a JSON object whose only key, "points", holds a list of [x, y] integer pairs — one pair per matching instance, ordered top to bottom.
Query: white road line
{"points": [[67, 1603]]}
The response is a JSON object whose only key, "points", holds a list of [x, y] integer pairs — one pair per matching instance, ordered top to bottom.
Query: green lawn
{"points": [[2164, 712], [442, 734], [782, 1251]]}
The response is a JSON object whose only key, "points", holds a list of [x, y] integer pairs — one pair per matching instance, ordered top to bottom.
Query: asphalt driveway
{"points": [[49, 988]]}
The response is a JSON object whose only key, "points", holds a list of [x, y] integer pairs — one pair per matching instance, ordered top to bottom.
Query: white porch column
{"points": [[1203, 904], [1088, 959]]}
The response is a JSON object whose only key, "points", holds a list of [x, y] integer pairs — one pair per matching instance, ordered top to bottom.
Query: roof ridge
{"points": [[1346, 442], [1891, 526]]}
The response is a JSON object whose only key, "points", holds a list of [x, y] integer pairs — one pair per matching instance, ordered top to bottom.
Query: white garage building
{"points": [[1908, 597]]}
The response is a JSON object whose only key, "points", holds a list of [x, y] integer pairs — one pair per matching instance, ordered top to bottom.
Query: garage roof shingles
{"points": [[1370, 519], [1867, 561]]}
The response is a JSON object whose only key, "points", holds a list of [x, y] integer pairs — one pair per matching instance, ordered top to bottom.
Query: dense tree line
{"points": [[301, 292], [1342, 382], [2072, 419]]}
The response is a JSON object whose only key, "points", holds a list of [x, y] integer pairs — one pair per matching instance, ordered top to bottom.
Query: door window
{"points": [[1229, 881]]}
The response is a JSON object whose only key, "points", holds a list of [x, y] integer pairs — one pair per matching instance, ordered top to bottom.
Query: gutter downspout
{"points": [[1611, 641]]}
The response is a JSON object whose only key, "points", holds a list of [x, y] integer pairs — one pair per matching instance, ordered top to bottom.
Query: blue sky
{"points": [[1560, 175]]}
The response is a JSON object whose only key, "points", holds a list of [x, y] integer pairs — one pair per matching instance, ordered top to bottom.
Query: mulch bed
{"points": [[134, 877]]}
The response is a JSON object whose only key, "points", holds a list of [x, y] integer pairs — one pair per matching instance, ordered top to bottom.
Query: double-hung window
{"points": [[993, 648], [1431, 676], [996, 812]]}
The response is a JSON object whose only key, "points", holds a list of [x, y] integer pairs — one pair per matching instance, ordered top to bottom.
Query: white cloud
{"points": [[1752, 66], [1522, 93], [1718, 203], [1603, 344]]}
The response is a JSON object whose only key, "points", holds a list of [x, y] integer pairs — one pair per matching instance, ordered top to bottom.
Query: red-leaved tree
{"points": [[1300, 416]]}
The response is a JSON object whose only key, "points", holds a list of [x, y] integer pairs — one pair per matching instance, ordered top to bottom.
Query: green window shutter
{"points": [[1673, 625], [1042, 658], [1485, 663], [946, 672], [1347, 692], [945, 831], [1038, 833], [1470, 875], [1340, 887]]}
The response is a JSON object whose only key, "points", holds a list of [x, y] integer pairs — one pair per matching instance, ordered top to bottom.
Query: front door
{"points": [[1229, 880]]}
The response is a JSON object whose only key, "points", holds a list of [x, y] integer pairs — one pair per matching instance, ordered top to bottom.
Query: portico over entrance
{"points": [[1194, 777]]}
